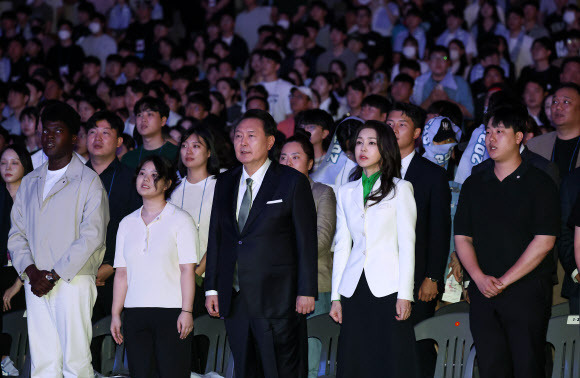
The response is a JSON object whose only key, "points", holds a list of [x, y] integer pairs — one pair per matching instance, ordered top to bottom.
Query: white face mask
{"points": [[569, 17], [94, 27], [63, 34], [409, 52], [454, 55]]}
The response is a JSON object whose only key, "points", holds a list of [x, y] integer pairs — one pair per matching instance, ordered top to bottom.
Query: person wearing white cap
{"points": [[301, 98]]}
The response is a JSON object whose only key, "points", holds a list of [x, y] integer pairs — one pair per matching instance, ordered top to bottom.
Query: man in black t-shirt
{"points": [[562, 146], [507, 220]]}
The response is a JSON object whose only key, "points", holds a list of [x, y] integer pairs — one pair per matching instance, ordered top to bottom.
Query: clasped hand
{"points": [[39, 284], [489, 286]]}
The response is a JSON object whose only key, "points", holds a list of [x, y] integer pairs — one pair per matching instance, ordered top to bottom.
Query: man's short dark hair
{"points": [[517, 10], [339, 26], [440, 49], [272, 55], [115, 58], [133, 59], [571, 59], [92, 60], [410, 64], [494, 67], [404, 78], [357, 84], [137, 86], [573, 86], [19, 87], [260, 89], [259, 98], [200, 99], [377, 101], [152, 104], [447, 109], [59, 111], [414, 112], [512, 116], [317, 117], [111, 118], [268, 122]]}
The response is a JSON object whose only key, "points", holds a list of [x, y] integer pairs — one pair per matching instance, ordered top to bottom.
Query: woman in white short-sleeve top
{"points": [[154, 281]]}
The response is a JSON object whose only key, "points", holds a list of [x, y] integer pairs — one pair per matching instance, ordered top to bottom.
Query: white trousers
{"points": [[60, 329]]}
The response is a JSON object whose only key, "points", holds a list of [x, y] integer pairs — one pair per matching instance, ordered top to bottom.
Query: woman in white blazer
{"points": [[374, 258]]}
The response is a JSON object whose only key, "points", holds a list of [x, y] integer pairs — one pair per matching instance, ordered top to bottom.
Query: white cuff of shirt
{"points": [[574, 274], [211, 292]]}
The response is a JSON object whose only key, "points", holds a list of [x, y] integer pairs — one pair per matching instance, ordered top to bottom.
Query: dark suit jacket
{"points": [[5, 208], [433, 230], [565, 243], [277, 250]]}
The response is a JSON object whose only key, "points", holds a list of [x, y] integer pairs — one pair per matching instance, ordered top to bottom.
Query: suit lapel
{"points": [[412, 170], [265, 193], [234, 198]]}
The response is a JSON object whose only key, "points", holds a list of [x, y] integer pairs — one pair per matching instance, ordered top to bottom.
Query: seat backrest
{"points": [[453, 308], [561, 309], [14, 324], [102, 328], [323, 328], [452, 335], [566, 341], [218, 353]]}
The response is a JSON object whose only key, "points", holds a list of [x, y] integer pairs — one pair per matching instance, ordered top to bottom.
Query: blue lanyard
{"points": [[111, 185], [201, 203]]}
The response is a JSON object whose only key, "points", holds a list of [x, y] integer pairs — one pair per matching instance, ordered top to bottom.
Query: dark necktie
{"points": [[246, 205]]}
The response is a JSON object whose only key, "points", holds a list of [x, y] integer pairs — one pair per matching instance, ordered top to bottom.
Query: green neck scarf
{"points": [[368, 183]]}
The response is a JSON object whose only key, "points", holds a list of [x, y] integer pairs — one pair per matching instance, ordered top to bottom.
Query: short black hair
{"points": [[517, 10], [339, 26], [440, 49], [272, 55], [114, 58], [132, 59], [571, 59], [92, 60], [410, 64], [494, 67], [404, 78], [357, 84], [137, 86], [573, 86], [19, 87], [258, 88], [260, 98], [200, 99], [377, 101], [95, 102], [153, 104], [447, 109], [29, 111], [59, 111], [414, 112], [513, 116], [317, 117], [112, 119], [268, 122], [302, 137], [165, 170]]}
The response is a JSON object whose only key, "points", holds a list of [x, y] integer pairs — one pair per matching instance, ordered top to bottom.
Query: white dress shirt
{"points": [[405, 162], [258, 178], [152, 254]]}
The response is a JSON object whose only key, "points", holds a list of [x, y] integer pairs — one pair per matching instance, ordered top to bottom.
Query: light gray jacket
{"points": [[65, 232]]}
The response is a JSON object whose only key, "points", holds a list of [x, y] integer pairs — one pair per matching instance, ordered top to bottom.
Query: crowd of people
{"points": [[269, 161]]}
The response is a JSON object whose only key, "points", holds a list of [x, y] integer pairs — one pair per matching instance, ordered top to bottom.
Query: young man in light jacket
{"points": [[57, 243]]}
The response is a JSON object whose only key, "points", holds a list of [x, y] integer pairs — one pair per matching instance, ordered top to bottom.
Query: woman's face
{"points": [[486, 10], [199, 44], [256, 63], [301, 67], [335, 68], [362, 70], [321, 86], [533, 95], [354, 98], [548, 107], [85, 111], [28, 126], [81, 147], [366, 150], [194, 152], [293, 156], [11, 168], [146, 186]]}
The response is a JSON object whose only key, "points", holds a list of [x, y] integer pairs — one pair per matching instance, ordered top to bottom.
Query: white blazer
{"points": [[384, 241]]}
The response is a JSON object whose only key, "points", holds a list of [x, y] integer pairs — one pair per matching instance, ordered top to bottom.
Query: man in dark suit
{"points": [[568, 195], [433, 230], [262, 242]]}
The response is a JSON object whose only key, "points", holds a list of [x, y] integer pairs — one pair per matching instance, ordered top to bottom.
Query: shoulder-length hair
{"points": [[23, 156], [213, 162], [390, 163]]}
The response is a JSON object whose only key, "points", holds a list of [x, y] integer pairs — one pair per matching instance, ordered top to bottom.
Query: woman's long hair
{"points": [[23, 156], [213, 162], [390, 163]]}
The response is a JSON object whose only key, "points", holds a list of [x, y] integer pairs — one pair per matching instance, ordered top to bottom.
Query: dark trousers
{"points": [[7, 277], [104, 301], [574, 304], [509, 330], [151, 335], [272, 348], [426, 352]]}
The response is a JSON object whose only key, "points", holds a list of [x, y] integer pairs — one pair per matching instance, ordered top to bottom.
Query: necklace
{"points": [[200, 204]]}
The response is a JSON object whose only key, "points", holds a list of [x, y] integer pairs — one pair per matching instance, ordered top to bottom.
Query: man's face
{"points": [[530, 13], [362, 19], [514, 22], [453, 23], [227, 24], [336, 37], [296, 42], [438, 63], [269, 67], [113, 69], [91, 70], [225, 70], [571, 73], [149, 74], [492, 77], [401, 91], [131, 98], [354, 98], [16, 100], [299, 101], [256, 104], [566, 107], [196, 111], [370, 113], [149, 122], [404, 129], [57, 140], [102, 140], [250, 141], [501, 142]]}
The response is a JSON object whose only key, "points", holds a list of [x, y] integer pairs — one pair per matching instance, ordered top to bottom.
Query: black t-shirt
{"points": [[565, 155], [503, 217], [574, 220]]}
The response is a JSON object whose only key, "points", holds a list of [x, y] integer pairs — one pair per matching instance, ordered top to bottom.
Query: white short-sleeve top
{"points": [[152, 254]]}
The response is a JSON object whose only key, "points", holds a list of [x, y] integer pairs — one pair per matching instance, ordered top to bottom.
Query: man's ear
{"points": [[163, 121], [325, 133], [417, 133], [519, 137], [271, 140], [119, 141]]}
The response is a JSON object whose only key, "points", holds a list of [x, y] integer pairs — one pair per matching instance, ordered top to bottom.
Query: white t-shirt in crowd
{"points": [[248, 23], [278, 98], [52, 177], [197, 200], [152, 254]]}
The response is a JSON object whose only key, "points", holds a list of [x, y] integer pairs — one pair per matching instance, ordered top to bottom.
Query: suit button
{"points": [[240, 242]]}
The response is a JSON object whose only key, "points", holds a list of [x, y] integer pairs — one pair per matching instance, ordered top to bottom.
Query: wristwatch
{"points": [[52, 276], [433, 279]]}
